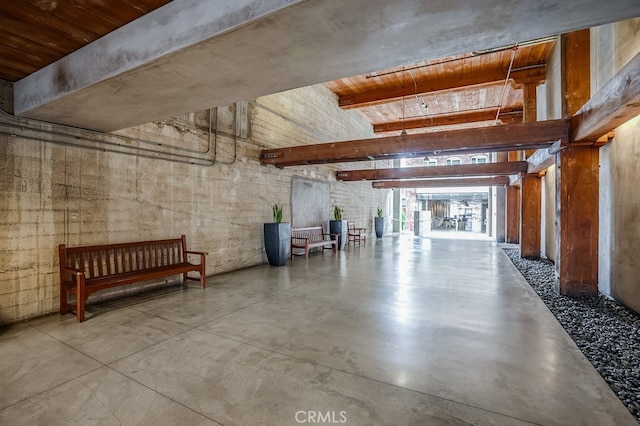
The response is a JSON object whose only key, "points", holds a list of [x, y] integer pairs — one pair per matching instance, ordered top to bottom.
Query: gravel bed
{"points": [[607, 333]]}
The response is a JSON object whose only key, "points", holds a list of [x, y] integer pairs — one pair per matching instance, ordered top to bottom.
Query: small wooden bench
{"points": [[357, 235], [311, 237], [85, 270]]}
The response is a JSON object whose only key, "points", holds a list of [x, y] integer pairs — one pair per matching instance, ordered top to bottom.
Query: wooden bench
{"points": [[356, 234], [311, 237], [85, 270]]}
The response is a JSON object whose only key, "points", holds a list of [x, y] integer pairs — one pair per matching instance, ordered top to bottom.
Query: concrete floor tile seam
{"points": [[358, 279], [374, 280], [133, 303], [354, 306], [130, 307], [243, 308], [160, 316], [67, 345], [133, 353], [117, 372], [349, 373], [54, 386], [162, 395]]}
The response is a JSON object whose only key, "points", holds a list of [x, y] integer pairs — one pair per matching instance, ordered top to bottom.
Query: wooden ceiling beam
{"points": [[536, 74], [617, 102], [506, 117], [505, 137], [541, 159], [486, 169], [442, 183]]}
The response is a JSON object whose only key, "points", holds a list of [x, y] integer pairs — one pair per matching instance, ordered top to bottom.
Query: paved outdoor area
{"points": [[399, 331]]}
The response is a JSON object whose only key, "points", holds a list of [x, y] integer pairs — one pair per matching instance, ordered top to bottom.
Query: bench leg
{"points": [[203, 274], [80, 302]]}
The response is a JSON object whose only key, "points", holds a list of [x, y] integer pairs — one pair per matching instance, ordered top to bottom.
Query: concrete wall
{"points": [[612, 47], [553, 84], [550, 108], [53, 193], [549, 214]]}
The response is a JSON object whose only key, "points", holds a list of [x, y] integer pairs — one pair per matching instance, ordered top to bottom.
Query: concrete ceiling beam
{"points": [[194, 54]]}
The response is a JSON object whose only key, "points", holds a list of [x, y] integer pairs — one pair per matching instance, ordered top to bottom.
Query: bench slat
{"points": [[126, 259], [91, 269]]}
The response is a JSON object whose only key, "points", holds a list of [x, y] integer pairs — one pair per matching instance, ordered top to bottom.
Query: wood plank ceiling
{"points": [[36, 33], [462, 91]]}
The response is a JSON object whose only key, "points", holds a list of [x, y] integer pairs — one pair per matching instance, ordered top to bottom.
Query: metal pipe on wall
{"points": [[17, 127]]}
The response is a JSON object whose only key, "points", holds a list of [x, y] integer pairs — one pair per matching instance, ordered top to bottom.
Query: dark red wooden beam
{"points": [[614, 104], [505, 117], [507, 137], [487, 169], [442, 183]]}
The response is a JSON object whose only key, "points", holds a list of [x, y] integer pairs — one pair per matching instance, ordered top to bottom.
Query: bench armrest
{"points": [[331, 236], [201, 253], [71, 270]]}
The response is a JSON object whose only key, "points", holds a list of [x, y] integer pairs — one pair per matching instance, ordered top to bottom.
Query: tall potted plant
{"points": [[379, 223], [338, 226], [277, 238]]}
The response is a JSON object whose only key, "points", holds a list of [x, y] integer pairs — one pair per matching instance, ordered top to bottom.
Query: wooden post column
{"points": [[530, 109], [577, 183], [531, 191], [501, 204], [513, 207], [577, 213], [513, 214], [530, 216]]}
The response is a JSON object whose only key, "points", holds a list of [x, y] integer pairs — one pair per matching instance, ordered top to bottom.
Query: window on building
{"points": [[479, 159], [452, 161], [429, 162]]}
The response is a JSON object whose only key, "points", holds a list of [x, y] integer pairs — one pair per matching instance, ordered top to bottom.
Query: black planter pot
{"points": [[379, 225], [339, 227], [277, 243]]}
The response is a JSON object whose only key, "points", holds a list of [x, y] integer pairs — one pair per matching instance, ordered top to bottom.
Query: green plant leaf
{"points": [[277, 213], [337, 213]]}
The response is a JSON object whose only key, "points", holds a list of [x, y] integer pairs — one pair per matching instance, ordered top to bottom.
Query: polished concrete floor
{"points": [[401, 331]]}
